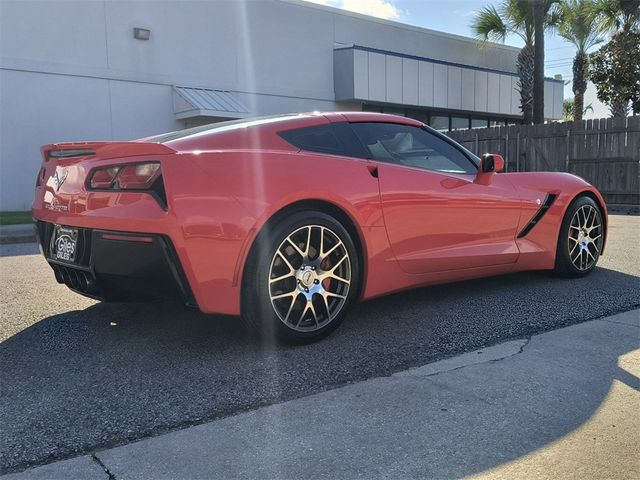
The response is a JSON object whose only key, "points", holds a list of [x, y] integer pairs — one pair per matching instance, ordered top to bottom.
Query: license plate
{"points": [[64, 244]]}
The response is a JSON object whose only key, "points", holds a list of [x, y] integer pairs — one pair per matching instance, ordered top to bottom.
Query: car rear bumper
{"points": [[119, 266]]}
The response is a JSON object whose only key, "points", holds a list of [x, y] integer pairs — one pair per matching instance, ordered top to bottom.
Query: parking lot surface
{"points": [[78, 375]]}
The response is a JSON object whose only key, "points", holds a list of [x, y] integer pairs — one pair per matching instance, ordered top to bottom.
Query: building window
{"points": [[420, 115], [440, 122], [459, 123], [479, 123]]}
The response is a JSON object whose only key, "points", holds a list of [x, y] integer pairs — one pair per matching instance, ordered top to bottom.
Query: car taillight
{"points": [[139, 176], [40, 177], [104, 177]]}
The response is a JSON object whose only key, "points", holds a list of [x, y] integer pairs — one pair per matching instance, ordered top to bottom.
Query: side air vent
{"points": [[551, 197]]}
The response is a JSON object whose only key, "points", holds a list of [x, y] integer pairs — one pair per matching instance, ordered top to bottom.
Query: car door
{"points": [[438, 215]]}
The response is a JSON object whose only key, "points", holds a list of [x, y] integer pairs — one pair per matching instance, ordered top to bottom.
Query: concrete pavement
{"points": [[560, 404]]}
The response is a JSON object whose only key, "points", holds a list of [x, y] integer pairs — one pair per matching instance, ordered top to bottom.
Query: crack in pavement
{"points": [[467, 360], [96, 459]]}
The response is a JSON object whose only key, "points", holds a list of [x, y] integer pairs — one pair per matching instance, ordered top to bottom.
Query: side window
{"points": [[319, 138], [411, 146]]}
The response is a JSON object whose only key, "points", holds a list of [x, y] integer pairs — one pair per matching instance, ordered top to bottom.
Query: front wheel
{"points": [[581, 239], [301, 277]]}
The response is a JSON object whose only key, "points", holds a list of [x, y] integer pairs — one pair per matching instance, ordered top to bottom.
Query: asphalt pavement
{"points": [[78, 376]]}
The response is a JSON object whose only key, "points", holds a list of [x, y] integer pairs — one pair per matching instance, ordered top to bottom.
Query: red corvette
{"points": [[287, 220]]}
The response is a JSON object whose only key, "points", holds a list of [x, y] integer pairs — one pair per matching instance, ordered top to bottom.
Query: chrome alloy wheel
{"points": [[585, 237], [309, 278]]}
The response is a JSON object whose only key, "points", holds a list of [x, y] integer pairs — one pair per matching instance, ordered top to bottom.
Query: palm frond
{"points": [[617, 14], [520, 16], [578, 23], [488, 25]]}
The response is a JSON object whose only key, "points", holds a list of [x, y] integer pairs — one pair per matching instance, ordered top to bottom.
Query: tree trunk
{"points": [[525, 72], [538, 76], [580, 77]]}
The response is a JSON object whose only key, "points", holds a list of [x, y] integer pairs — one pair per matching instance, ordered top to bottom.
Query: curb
{"points": [[18, 234], [10, 239]]}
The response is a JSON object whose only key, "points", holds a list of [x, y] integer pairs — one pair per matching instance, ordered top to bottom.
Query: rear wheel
{"points": [[581, 239], [301, 277]]}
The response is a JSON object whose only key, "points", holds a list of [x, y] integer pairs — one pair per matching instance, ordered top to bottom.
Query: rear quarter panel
{"points": [[221, 200]]}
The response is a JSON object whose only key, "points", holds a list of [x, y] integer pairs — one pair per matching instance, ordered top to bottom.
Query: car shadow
{"points": [[114, 373]]}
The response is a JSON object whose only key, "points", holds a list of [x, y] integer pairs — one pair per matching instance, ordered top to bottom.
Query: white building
{"points": [[74, 70]]}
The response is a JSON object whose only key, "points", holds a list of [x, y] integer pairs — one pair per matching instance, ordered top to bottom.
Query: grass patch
{"points": [[15, 218]]}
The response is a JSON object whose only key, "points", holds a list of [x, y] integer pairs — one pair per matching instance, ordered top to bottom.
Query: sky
{"points": [[455, 16]]}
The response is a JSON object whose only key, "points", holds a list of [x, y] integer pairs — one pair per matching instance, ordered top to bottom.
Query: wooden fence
{"points": [[604, 152]]}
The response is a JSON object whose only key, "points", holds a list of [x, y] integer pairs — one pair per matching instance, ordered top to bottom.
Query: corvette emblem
{"points": [[58, 179]]}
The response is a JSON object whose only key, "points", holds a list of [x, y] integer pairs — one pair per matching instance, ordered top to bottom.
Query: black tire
{"points": [[564, 266], [260, 313]]}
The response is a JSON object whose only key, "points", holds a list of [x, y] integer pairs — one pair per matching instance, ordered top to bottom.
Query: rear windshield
{"points": [[217, 127]]}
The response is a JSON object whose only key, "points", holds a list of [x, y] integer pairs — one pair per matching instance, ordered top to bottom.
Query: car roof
{"points": [[369, 117], [262, 131]]}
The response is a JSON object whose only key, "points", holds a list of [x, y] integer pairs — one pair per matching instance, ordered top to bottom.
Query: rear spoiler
{"points": [[103, 150]]}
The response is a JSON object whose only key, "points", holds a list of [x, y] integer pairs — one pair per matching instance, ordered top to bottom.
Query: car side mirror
{"points": [[491, 162]]}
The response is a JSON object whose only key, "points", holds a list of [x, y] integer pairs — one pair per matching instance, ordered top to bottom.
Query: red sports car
{"points": [[287, 220]]}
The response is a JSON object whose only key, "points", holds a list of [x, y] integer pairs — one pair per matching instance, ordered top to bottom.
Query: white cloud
{"points": [[376, 8]]}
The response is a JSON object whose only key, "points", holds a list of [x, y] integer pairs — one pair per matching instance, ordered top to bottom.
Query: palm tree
{"points": [[513, 17], [578, 25], [538, 58], [567, 110]]}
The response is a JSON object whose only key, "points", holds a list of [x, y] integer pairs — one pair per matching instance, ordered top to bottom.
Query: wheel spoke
{"points": [[587, 216], [296, 247], [574, 247], [331, 250], [306, 252], [577, 255], [284, 259], [333, 269], [281, 277], [339, 278], [331, 294], [284, 295], [293, 302], [326, 303], [313, 310], [304, 311]]}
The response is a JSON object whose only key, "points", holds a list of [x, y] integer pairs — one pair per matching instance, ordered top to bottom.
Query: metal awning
{"points": [[190, 102]]}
